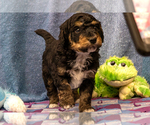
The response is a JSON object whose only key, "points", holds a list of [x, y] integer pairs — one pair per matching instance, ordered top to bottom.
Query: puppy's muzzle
{"points": [[92, 36], [93, 40]]}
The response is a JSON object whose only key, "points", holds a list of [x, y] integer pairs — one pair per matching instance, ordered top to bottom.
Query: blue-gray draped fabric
{"points": [[21, 49]]}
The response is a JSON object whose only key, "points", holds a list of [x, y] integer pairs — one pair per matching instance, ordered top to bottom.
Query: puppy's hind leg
{"points": [[51, 89], [52, 94]]}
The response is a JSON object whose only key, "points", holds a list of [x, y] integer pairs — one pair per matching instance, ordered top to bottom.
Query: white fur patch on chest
{"points": [[77, 72]]}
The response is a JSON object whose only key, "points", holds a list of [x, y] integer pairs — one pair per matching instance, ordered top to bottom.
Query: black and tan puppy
{"points": [[72, 61]]}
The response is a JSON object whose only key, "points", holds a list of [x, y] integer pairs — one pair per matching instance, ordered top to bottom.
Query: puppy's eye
{"points": [[77, 30]]}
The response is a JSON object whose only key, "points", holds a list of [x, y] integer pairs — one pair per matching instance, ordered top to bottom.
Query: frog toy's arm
{"points": [[127, 91]]}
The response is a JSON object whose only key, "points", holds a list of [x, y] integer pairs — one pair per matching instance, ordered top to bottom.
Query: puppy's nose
{"points": [[93, 40]]}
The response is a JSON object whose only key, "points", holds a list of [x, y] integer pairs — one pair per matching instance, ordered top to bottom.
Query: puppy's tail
{"points": [[46, 35]]}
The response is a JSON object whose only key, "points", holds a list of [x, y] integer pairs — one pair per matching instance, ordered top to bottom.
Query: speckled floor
{"points": [[110, 111]]}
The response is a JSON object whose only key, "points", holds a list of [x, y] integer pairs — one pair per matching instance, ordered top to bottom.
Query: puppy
{"points": [[72, 61]]}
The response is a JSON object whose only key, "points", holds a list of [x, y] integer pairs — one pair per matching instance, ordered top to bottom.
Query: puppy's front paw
{"points": [[66, 99], [67, 103], [53, 105], [67, 106], [86, 109], [89, 110]]}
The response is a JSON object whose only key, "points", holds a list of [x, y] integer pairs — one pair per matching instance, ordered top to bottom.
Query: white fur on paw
{"points": [[15, 104], [53, 105], [67, 107], [88, 110], [53, 116], [90, 122]]}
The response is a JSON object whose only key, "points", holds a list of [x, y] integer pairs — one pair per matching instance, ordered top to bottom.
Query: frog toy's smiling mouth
{"points": [[118, 84]]}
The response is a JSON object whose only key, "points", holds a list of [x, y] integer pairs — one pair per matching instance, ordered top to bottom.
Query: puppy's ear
{"points": [[101, 32], [64, 33]]}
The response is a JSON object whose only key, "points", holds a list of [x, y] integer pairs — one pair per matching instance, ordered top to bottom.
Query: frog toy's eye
{"points": [[112, 63], [122, 65]]}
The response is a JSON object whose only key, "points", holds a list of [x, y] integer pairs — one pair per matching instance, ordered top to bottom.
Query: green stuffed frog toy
{"points": [[118, 77]]}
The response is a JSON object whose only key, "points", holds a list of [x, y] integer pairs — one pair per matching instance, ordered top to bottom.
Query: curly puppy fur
{"points": [[72, 61]]}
